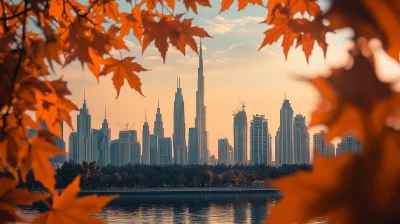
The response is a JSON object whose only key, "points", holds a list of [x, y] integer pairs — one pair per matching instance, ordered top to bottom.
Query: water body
{"points": [[182, 208]]}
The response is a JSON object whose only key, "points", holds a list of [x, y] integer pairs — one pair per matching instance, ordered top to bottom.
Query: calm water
{"points": [[183, 208]]}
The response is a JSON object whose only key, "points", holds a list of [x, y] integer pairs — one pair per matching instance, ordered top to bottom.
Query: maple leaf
{"points": [[243, 3], [192, 4], [225, 4], [303, 6], [108, 7], [274, 7], [369, 19], [132, 21], [284, 25], [186, 33], [116, 42], [123, 69], [346, 109], [36, 154], [347, 189], [11, 196], [68, 208]]}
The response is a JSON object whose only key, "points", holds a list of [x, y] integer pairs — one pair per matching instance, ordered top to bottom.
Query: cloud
{"points": [[221, 25], [152, 58]]}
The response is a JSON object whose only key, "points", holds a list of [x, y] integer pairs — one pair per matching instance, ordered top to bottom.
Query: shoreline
{"points": [[214, 190]]}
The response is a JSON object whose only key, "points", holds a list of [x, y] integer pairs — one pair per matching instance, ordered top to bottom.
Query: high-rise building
{"points": [[200, 120], [158, 123], [84, 134], [179, 136], [240, 137], [301, 140], [146, 141], [277, 141], [98, 143], [349, 144], [73, 146], [321, 146], [154, 150], [286, 150], [115, 151], [125, 151], [165, 151], [223, 151], [260, 152], [135, 153], [193, 153], [104, 154], [58, 159], [231, 160]]}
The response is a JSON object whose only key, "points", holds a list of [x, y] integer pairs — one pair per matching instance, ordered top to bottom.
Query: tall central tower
{"points": [[200, 120], [158, 123], [84, 130], [180, 151]]}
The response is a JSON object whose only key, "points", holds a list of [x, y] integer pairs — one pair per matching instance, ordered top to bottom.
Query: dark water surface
{"points": [[182, 208]]}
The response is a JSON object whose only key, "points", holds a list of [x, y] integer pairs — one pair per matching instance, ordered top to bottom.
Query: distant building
{"points": [[200, 120], [158, 123], [179, 136], [240, 137], [301, 140], [277, 141], [146, 142], [98, 143], [349, 144], [321, 146], [73, 147], [154, 150], [286, 150], [165, 151], [223, 151], [260, 151], [85, 152], [115, 152], [125, 152], [135, 153], [193, 153], [104, 154], [231, 158], [58, 159], [213, 160]]}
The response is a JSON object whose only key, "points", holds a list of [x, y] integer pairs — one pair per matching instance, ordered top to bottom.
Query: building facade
{"points": [[200, 120], [158, 123], [179, 135], [240, 137], [301, 140], [146, 142], [349, 144], [321, 146], [125, 147], [85, 150], [154, 150], [286, 150], [165, 151], [223, 151], [193, 153], [260, 153], [104, 155]]}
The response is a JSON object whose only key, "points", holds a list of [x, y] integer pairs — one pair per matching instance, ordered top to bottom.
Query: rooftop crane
{"points": [[243, 103], [127, 128]]}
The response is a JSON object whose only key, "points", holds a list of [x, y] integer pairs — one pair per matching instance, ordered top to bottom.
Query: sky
{"points": [[233, 66]]}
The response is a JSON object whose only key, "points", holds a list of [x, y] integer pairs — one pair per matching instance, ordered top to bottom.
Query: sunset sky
{"points": [[232, 66]]}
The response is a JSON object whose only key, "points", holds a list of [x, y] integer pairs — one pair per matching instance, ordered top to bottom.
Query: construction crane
{"points": [[243, 103], [127, 127]]}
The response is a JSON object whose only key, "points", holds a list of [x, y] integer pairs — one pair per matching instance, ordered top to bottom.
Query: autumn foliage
{"points": [[36, 36]]}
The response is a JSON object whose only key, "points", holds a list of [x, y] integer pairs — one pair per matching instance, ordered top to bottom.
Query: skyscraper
{"points": [[200, 120], [158, 123], [84, 134], [179, 137], [240, 137], [301, 140], [146, 141], [277, 141], [98, 143], [349, 144], [321, 146], [154, 149], [286, 150], [125, 151], [165, 151], [223, 151], [135, 153], [260, 153], [193, 154], [104, 155], [115, 158], [231, 160]]}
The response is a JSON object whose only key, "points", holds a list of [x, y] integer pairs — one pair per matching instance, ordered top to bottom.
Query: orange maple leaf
{"points": [[243, 3], [192, 4], [303, 6], [369, 19], [132, 21], [286, 26], [123, 69], [346, 109], [36, 154], [11, 196], [68, 208]]}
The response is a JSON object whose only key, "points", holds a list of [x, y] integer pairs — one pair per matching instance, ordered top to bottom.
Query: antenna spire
{"points": [[285, 96], [158, 103], [105, 112], [145, 116]]}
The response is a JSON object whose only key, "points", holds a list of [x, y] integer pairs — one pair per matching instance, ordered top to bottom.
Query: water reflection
{"points": [[182, 208]]}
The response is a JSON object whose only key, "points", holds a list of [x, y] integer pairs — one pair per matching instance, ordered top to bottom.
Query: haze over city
{"points": [[232, 67]]}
